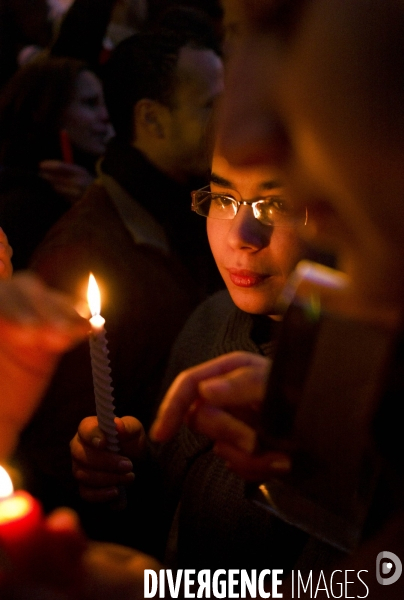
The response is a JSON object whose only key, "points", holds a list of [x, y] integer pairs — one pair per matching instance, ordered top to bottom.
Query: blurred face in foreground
{"points": [[315, 90], [253, 257]]}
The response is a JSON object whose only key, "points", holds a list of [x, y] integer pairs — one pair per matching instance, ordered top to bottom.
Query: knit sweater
{"points": [[215, 526]]}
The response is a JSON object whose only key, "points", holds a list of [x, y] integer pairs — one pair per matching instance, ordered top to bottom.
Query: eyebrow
{"points": [[214, 178], [264, 185], [270, 185]]}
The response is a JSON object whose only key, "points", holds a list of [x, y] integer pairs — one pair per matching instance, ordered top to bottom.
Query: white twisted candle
{"points": [[104, 400]]}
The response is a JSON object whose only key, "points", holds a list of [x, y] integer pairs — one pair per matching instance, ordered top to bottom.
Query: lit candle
{"points": [[104, 400], [21, 523]]}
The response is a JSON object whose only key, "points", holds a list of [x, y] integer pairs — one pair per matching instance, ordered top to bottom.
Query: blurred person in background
{"points": [[21, 24], [91, 29], [53, 127]]}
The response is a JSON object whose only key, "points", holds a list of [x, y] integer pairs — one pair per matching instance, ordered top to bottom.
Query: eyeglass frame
{"points": [[238, 203]]}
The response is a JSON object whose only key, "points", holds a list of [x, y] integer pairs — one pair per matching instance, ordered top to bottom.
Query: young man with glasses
{"points": [[314, 113], [255, 247]]}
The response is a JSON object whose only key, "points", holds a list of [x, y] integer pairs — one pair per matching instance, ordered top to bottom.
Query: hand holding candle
{"points": [[104, 400]]}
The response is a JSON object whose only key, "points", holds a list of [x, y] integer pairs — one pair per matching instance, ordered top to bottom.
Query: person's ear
{"points": [[152, 118]]}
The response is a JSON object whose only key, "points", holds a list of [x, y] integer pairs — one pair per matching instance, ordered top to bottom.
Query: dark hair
{"points": [[212, 8], [192, 23], [144, 65], [32, 106]]}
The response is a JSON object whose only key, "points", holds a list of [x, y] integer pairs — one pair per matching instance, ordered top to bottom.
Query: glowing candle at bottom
{"points": [[21, 523]]}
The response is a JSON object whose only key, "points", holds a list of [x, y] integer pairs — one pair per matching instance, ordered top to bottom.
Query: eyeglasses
{"points": [[274, 211]]}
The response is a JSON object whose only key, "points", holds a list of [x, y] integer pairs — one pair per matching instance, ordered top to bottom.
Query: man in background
{"points": [[134, 230]]}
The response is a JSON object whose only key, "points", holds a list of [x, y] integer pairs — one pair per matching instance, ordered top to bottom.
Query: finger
{"points": [[51, 164], [58, 166], [69, 188], [3, 238], [5, 250], [5, 269], [26, 301], [36, 347], [245, 385], [185, 391], [221, 426], [128, 428], [89, 434], [132, 437], [92, 459], [253, 467], [101, 479], [101, 495], [58, 551]]}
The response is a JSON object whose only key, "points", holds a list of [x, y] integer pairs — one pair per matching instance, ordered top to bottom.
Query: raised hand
{"points": [[69, 180], [37, 325], [221, 399]]}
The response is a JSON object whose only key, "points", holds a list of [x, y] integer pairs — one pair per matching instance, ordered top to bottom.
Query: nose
{"points": [[103, 114], [249, 130], [247, 233]]}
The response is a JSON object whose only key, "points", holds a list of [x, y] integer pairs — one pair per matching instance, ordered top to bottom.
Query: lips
{"points": [[246, 279]]}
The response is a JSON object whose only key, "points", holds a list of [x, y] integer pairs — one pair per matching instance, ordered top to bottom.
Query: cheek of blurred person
{"points": [[200, 82], [314, 89], [86, 119], [254, 259]]}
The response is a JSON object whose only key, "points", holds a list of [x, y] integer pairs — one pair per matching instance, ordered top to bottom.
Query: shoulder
{"points": [[90, 220]]}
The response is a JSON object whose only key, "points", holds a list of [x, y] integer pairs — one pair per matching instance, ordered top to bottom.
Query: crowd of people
{"points": [[283, 122]]}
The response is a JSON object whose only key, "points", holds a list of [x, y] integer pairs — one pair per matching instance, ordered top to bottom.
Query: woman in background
{"points": [[53, 127]]}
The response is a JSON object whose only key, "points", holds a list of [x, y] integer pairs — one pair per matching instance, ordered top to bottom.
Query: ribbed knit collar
{"points": [[252, 333]]}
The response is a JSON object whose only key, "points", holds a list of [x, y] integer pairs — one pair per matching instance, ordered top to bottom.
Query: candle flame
{"points": [[93, 296], [6, 485]]}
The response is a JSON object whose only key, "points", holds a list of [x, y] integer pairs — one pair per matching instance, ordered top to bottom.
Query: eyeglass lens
{"points": [[273, 211]]}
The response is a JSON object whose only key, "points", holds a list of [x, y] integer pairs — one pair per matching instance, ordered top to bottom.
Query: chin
{"points": [[253, 303]]}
